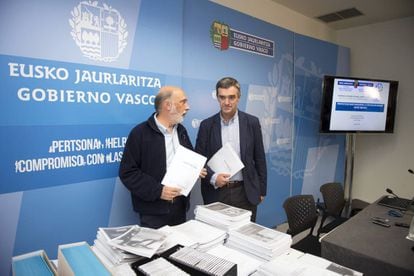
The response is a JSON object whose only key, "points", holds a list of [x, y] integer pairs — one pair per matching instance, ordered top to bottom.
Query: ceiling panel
{"points": [[374, 11]]}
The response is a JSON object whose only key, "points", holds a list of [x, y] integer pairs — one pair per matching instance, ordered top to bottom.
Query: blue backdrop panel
{"points": [[41, 29], [159, 38], [202, 60], [313, 60], [78, 75], [48, 76], [266, 83], [64, 93], [37, 159], [122, 212], [63, 214], [9, 216]]}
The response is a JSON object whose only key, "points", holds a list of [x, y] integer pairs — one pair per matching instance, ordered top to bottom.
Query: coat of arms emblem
{"points": [[99, 31]]}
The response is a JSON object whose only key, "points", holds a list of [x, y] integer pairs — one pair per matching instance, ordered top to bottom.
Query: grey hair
{"points": [[228, 82], [164, 94]]}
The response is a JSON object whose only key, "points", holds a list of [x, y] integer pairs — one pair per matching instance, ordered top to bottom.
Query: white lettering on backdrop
{"points": [[82, 77]]}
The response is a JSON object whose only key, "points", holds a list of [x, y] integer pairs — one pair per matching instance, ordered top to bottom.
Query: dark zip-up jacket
{"points": [[143, 166]]}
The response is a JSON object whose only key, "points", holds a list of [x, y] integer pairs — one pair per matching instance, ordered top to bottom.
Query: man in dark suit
{"points": [[148, 152], [247, 188]]}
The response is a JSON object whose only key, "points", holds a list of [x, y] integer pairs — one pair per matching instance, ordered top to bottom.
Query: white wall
{"points": [[281, 16], [383, 50]]}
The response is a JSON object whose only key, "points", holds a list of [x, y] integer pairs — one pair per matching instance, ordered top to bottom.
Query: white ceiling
{"points": [[374, 11]]}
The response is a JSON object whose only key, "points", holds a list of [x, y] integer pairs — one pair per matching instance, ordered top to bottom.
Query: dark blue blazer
{"points": [[251, 151], [143, 166]]}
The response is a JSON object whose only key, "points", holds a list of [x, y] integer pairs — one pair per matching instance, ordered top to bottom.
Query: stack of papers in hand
{"points": [[226, 160], [184, 170], [222, 215], [195, 234], [259, 241], [111, 253]]}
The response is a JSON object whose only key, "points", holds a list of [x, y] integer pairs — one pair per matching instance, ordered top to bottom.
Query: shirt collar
{"points": [[232, 120], [162, 128]]}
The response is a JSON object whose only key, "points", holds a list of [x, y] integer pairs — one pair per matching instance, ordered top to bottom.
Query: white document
{"points": [[226, 160], [184, 170], [188, 234], [140, 241], [246, 264], [160, 267]]}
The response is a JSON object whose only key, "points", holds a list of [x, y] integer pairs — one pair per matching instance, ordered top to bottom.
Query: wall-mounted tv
{"points": [[358, 105]]}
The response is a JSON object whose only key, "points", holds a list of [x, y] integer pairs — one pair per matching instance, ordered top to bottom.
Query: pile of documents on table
{"points": [[222, 216], [195, 234], [259, 241], [127, 244], [202, 263], [246, 263], [304, 265], [161, 267]]}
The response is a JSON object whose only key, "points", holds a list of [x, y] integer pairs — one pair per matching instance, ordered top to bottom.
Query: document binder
{"points": [[79, 259], [33, 263]]}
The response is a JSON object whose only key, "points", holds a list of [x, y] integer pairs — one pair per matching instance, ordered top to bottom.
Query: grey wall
{"points": [[385, 50]]}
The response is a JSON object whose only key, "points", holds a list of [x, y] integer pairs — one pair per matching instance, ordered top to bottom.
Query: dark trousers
{"points": [[237, 197], [177, 215]]}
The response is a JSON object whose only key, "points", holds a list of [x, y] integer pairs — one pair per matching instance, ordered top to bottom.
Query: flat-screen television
{"points": [[358, 105]]}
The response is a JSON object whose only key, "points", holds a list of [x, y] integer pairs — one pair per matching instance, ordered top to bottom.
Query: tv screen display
{"points": [[358, 105]]}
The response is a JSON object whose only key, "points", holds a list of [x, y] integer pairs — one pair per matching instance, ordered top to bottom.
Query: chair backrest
{"points": [[333, 197], [301, 213]]}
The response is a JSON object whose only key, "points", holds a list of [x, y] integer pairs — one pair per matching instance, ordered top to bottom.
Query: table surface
{"points": [[370, 248]]}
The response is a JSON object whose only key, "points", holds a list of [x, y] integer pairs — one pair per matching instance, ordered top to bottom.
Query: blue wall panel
{"points": [[78, 75], [266, 86], [318, 158], [63, 214]]}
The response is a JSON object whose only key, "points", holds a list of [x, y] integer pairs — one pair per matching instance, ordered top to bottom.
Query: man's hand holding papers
{"points": [[226, 163], [184, 171]]}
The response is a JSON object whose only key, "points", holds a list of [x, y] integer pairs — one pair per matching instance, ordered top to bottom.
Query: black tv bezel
{"points": [[326, 105]]}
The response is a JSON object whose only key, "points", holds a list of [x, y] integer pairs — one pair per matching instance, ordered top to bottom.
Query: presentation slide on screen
{"points": [[359, 105]]}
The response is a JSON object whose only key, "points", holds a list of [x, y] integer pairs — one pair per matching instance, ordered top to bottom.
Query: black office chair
{"points": [[333, 205], [301, 215]]}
